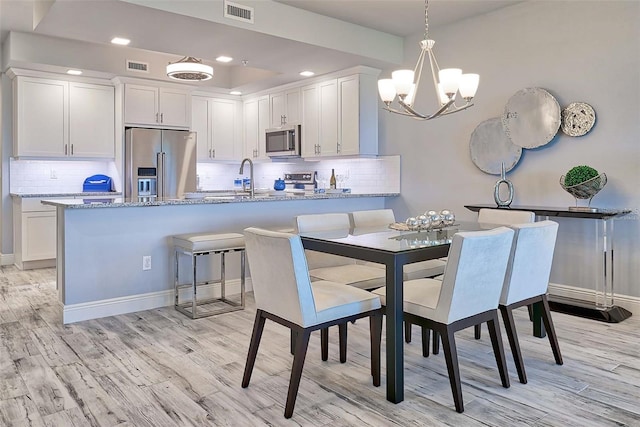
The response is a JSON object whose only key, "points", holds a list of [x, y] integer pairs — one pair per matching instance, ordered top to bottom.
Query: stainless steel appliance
{"points": [[283, 141], [159, 163], [307, 181]]}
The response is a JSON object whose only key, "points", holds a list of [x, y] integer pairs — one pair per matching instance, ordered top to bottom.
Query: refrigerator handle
{"points": [[160, 174]]}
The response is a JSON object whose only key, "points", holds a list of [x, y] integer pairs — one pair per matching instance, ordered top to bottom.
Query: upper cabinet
{"points": [[157, 106], [285, 107], [340, 117], [61, 119], [256, 122], [216, 123]]}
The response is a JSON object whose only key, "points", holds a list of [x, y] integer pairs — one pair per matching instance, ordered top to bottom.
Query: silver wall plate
{"points": [[531, 117], [577, 119], [490, 147]]}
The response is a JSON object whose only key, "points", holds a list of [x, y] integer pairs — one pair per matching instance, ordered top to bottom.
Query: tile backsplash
{"points": [[364, 175], [62, 176]]}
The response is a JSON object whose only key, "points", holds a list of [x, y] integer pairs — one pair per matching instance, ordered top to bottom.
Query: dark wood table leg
{"points": [[395, 345]]}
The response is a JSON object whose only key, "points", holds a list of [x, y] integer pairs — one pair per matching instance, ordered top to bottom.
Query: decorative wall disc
{"points": [[531, 117], [578, 119], [490, 147]]}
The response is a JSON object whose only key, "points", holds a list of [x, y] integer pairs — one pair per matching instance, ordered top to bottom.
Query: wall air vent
{"points": [[237, 11], [137, 66]]}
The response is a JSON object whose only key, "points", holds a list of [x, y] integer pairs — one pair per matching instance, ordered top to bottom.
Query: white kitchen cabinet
{"points": [[309, 105], [157, 106], [285, 107], [41, 108], [56, 118], [328, 118], [346, 118], [91, 121], [215, 121], [256, 122], [34, 233]]}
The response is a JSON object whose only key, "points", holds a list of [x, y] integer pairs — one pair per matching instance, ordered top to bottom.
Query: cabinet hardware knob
{"points": [[161, 117], [157, 118], [65, 149], [72, 149]]}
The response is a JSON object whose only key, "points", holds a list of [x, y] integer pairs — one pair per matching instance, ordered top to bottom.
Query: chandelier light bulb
{"points": [[402, 80], [450, 80], [469, 85], [387, 90], [410, 96]]}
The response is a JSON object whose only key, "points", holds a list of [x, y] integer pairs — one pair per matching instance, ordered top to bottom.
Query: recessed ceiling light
{"points": [[120, 40], [224, 59], [74, 72], [307, 73], [235, 92]]}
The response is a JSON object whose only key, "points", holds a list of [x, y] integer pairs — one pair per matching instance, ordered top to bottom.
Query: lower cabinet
{"points": [[34, 234]]}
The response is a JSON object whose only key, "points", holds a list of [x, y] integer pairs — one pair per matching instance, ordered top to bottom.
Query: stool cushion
{"points": [[203, 242]]}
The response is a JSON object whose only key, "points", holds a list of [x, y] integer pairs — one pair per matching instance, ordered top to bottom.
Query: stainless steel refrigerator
{"points": [[159, 163]]}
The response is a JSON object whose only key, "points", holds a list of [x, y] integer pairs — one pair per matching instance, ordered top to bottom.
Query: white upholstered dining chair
{"points": [[527, 281], [285, 294], [467, 295]]}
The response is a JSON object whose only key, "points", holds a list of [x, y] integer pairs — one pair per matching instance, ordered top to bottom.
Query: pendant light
{"points": [[189, 69]]}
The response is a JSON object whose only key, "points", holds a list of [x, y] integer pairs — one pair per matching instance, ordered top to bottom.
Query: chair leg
{"points": [[548, 325], [258, 327], [342, 330], [375, 330], [477, 331], [407, 332], [512, 334], [293, 341], [425, 341], [302, 343], [324, 343], [436, 343], [498, 350], [451, 357]]}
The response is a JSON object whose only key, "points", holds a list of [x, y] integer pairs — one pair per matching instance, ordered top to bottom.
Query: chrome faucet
{"points": [[251, 183]]}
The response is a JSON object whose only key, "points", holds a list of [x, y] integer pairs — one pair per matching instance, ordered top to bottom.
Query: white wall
{"points": [[578, 51]]}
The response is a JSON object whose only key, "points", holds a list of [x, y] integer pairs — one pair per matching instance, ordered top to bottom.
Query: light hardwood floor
{"points": [[159, 368]]}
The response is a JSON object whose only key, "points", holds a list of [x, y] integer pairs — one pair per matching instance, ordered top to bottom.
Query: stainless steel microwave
{"points": [[283, 141]]}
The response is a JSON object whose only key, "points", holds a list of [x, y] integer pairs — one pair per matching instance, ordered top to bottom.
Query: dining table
{"points": [[394, 248]]}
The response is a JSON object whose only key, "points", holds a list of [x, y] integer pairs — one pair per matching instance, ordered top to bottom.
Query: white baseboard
{"points": [[7, 259], [625, 301], [130, 304]]}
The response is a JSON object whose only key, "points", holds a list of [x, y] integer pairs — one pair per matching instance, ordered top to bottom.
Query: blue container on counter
{"points": [[97, 183], [279, 184]]}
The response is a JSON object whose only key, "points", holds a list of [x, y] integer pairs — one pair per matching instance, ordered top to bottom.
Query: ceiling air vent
{"points": [[239, 12], [137, 66]]}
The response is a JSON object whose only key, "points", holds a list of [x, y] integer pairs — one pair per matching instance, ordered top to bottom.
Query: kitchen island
{"points": [[100, 243]]}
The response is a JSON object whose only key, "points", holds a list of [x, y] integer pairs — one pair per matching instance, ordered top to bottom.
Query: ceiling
{"points": [[275, 54]]}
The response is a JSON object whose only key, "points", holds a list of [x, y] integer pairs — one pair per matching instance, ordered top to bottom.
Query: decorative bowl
{"points": [[585, 190]]}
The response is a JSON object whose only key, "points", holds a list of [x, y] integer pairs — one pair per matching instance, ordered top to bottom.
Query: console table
{"points": [[604, 308]]}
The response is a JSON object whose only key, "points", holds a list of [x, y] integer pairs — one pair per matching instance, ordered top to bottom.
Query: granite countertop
{"points": [[63, 195], [119, 202]]}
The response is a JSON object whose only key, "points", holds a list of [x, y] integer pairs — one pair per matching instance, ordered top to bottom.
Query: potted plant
{"points": [[583, 182]]}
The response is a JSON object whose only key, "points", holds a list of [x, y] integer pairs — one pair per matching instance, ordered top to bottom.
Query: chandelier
{"points": [[190, 69], [447, 82]]}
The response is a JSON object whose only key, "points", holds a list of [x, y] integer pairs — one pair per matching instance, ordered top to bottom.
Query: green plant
{"points": [[579, 174]]}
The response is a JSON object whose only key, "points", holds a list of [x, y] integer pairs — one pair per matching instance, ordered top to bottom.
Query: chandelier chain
{"points": [[426, 19]]}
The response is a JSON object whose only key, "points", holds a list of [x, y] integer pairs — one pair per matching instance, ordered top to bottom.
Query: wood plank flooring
{"points": [[160, 368]]}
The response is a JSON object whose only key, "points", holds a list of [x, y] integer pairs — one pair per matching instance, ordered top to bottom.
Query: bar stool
{"points": [[195, 245]]}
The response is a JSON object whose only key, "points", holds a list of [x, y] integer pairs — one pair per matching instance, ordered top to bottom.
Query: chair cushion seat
{"points": [[203, 242], [360, 276], [420, 296], [335, 300]]}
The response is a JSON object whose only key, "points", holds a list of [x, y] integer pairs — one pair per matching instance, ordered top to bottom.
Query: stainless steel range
{"points": [[307, 181]]}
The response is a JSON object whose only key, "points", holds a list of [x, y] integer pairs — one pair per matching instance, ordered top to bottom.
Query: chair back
{"points": [[505, 216], [372, 218], [323, 222], [530, 263], [475, 273], [279, 274]]}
